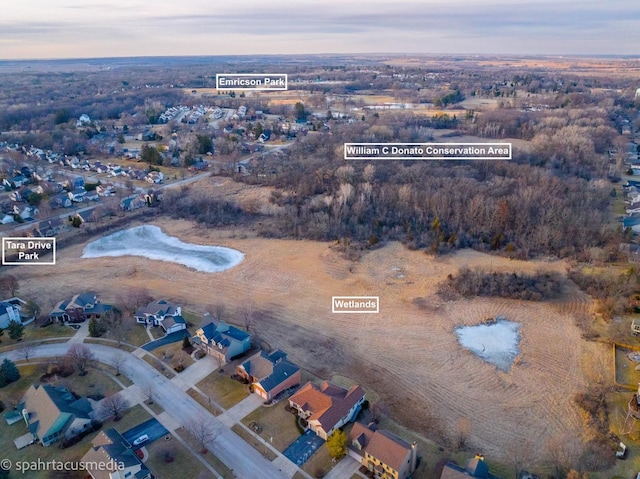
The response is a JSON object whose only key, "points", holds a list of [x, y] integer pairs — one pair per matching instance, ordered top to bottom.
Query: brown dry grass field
{"points": [[408, 353]]}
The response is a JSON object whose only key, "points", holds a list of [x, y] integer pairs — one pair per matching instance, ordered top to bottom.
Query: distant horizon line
{"points": [[329, 54]]}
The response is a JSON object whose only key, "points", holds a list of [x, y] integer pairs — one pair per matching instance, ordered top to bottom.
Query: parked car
{"points": [[141, 439], [621, 453]]}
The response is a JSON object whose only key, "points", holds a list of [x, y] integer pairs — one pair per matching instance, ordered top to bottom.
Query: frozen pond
{"points": [[150, 242], [496, 343]]}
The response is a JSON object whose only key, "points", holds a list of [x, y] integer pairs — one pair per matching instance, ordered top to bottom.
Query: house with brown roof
{"points": [[269, 373], [327, 407], [54, 413], [382, 453], [111, 457], [476, 468]]}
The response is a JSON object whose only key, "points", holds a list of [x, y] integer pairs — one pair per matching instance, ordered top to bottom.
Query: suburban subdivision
{"points": [[204, 280]]}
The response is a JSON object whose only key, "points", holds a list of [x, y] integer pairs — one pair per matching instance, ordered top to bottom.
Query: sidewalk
{"points": [[240, 410]]}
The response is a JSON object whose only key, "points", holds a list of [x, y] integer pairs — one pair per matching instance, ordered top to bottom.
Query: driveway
{"points": [[168, 339], [151, 428], [301, 450], [245, 461]]}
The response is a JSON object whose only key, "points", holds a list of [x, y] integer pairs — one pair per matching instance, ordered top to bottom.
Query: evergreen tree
{"points": [[94, 328], [16, 330], [8, 372]]}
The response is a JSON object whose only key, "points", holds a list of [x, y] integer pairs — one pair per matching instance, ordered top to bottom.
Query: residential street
{"points": [[243, 459]]}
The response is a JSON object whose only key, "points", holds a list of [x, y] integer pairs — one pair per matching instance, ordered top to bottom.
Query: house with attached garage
{"points": [[79, 308], [10, 311], [161, 313], [222, 340], [269, 373], [327, 407], [53, 413], [109, 447], [381, 452], [476, 468]]}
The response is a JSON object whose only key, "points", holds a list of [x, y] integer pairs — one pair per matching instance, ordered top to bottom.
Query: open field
{"points": [[408, 353]]}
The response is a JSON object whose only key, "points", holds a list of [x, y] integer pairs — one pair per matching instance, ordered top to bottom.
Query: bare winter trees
{"points": [[80, 356], [113, 406], [204, 431]]}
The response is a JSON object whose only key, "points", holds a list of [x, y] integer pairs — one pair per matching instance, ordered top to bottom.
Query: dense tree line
{"points": [[198, 206], [517, 208], [478, 282]]}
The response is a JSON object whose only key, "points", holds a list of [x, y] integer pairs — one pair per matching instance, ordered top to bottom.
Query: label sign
{"points": [[18, 251], [355, 304]]}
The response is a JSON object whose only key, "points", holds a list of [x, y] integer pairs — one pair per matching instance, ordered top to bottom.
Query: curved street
{"points": [[240, 457]]}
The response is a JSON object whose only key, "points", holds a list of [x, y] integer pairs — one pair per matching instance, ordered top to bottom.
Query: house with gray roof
{"points": [[79, 308], [10, 311], [161, 313], [222, 340], [269, 373], [54, 413], [110, 448]]}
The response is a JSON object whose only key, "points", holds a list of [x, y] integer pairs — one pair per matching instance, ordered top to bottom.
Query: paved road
{"points": [[243, 459]]}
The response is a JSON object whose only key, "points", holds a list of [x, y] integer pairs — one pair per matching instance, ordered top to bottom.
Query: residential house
{"points": [[154, 177], [77, 195], [61, 201], [130, 204], [49, 228], [79, 308], [10, 311], [163, 314], [222, 340], [270, 373], [327, 407], [53, 413], [109, 447], [383, 453], [476, 468]]}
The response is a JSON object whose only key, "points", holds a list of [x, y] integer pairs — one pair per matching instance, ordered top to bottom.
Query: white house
{"points": [[10, 311], [163, 314]]}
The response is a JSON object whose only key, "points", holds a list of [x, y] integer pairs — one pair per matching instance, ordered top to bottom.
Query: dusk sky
{"points": [[117, 28]]}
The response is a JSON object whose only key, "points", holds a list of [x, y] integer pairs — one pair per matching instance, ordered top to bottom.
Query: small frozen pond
{"points": [[151, 242], [496, 343]]}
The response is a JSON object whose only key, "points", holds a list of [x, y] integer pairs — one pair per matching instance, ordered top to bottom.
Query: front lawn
{"points": [[173, 355], [225, 391], [274, 422], [170, 459]]}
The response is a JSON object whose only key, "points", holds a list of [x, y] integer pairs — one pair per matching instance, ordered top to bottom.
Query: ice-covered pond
{"points": [[151, 242], [496, 343]]}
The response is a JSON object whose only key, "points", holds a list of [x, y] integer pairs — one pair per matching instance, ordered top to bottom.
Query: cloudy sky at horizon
{"points": [[120, 28]]}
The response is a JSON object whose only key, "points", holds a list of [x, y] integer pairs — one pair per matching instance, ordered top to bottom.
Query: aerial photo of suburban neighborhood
{"points": [[339, 240]]}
